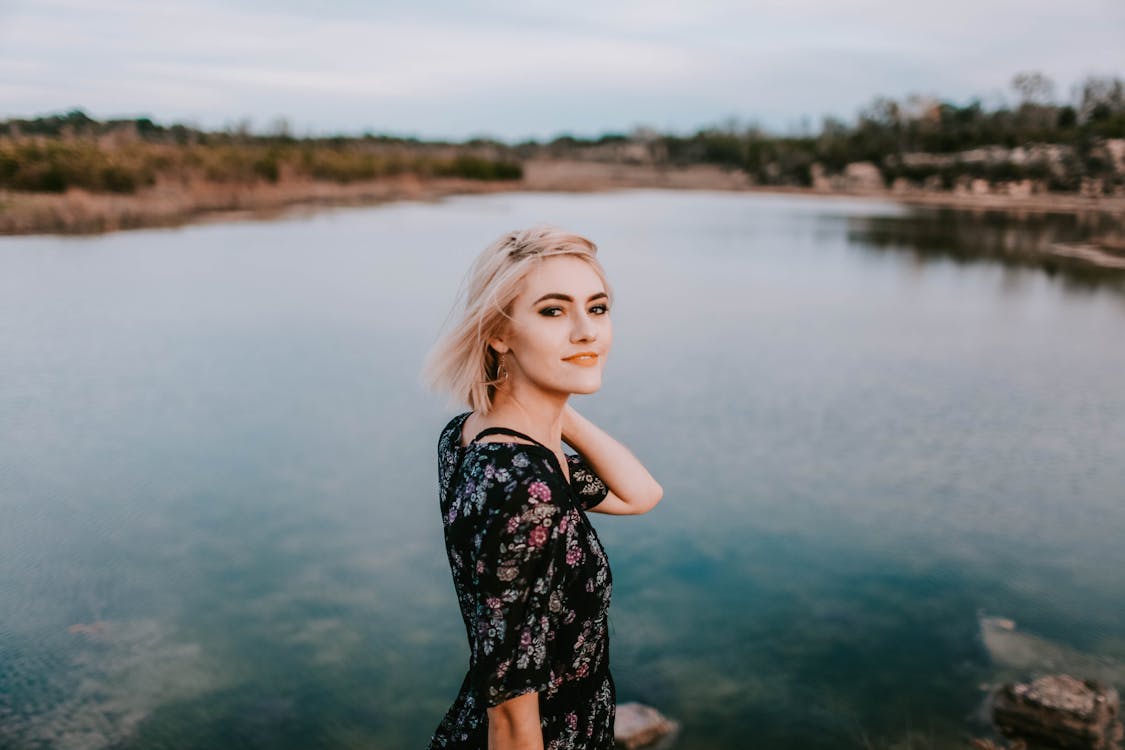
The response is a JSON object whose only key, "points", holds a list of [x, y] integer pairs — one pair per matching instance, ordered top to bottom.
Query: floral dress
{"points": [[533, 585]]}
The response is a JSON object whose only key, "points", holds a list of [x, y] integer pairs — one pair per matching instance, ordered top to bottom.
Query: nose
{"points": [[584, 329]]}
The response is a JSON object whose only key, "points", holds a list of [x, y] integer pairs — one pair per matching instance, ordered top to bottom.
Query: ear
{"points": [[498, 345]]}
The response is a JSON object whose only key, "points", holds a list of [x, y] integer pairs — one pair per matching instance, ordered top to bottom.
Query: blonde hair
{"points": [[462, 363]]}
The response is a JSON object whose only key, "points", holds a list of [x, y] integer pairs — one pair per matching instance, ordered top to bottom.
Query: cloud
{"points": [[513, 69]]}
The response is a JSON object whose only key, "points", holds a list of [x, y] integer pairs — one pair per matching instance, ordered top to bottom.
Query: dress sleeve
{"points": [[589, 487], [520, 575]]}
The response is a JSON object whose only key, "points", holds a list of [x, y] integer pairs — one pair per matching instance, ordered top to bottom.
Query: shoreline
{"points": [[78, 212]]}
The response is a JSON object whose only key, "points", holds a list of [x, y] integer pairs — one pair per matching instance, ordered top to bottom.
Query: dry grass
{"points": [[79, 211]]}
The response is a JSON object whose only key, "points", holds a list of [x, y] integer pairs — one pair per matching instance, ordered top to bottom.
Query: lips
{"points": [[583, 359]]}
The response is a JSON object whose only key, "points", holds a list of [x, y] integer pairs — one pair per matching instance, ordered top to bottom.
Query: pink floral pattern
{"points": [[533, 585]]}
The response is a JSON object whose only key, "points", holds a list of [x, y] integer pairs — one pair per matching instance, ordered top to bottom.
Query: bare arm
{"points": [[632, 490], [515, 724]]}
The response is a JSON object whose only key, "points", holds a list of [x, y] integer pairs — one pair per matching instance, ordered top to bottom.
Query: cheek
{"points": [[538, 347]]}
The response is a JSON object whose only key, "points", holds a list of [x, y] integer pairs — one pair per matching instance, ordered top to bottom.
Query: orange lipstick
{"points": [[583, 359]]}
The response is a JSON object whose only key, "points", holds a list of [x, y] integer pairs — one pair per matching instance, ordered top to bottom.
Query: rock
{"points": [[1115, 147], [863, 176], [820, 180], [1092, 187], [93, 629], [1017, 653], [1060, 711], [637, 725]]}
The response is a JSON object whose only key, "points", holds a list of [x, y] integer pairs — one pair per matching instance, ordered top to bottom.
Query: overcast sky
{"points": [[514, 69]]}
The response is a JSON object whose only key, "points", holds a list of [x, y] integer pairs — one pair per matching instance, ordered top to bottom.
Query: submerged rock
{"points": [[1017, 654], [1060, 711], [637, 725]]}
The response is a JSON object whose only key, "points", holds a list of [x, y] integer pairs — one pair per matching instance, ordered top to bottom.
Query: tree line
{"points": [[1058, 145], [72, 150]]}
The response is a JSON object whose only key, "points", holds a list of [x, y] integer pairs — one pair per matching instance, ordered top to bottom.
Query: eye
{"points": [[602, 309], [546, 311]]}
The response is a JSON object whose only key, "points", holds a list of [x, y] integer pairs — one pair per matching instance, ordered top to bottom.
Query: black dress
{"points": [[533, 585]]}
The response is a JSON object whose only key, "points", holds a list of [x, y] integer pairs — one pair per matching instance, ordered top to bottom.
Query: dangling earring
{"points": [[501, 370]]}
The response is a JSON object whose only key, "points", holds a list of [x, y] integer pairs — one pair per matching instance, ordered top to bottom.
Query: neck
{"points": [[533, 412]]}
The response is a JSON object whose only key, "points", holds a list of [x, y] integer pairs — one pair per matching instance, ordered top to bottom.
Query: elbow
{"points": [[655, 496], [515, 722]]}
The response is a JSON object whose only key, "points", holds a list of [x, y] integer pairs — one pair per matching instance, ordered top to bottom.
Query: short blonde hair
{"points": [[462, 363]]}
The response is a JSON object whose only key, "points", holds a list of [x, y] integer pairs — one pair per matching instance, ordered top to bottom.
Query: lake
{"points": [[875, 427]]}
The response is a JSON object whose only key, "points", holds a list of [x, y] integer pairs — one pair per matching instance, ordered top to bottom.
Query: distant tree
{"points": [[1033, 88], [1100, 97], [883, 112], [1068, 117], [730, 124], [146, 127], [281, 129], [241, 130], [879, 131], [644, 133], [832, 146]]}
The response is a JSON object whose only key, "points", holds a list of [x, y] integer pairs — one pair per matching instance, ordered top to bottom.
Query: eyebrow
{"points": [[568, 298]]}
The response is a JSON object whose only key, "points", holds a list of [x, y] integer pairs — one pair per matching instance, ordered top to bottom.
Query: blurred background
{"points": [[870, 277]]}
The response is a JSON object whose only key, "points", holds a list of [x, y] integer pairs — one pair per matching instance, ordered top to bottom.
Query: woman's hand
{"points": [[632, 490]]}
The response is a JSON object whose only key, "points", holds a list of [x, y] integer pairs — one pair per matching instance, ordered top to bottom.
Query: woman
{"points": [[531, 577]]}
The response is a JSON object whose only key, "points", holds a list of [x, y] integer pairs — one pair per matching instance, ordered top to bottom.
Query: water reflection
{"points": [[1017, 240]]}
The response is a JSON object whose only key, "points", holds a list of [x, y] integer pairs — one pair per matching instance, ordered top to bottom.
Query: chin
{"points": [[587, 388]]}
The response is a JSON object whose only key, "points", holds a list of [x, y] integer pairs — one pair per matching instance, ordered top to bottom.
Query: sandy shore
{"points": [[589, 177], [78, 212]]}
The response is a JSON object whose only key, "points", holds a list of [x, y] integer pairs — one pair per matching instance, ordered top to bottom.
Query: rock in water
{"points": [[1019, 654], [1060, 711], [637, 725]]}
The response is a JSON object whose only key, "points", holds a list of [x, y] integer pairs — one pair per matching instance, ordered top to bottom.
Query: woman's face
{"points": [[560, 332]]}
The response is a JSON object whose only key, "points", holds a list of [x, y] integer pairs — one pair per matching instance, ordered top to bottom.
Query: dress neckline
{"points": [[497, 430]]}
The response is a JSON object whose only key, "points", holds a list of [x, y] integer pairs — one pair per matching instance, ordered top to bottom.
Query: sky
{"points": [[519, 69]]}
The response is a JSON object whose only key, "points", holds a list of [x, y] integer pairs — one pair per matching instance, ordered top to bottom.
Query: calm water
{"points": [[874, 425]]}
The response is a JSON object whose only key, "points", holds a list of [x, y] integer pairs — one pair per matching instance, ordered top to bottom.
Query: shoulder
{"points": [[450, 435]]}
